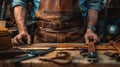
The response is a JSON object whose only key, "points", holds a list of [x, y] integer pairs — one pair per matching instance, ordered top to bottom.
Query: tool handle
{"points": [[91, 47], [47, 51], [32, 54], [92, 54], [16, 60]]}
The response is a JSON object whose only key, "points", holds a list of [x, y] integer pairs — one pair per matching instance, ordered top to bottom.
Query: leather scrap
{"points": [[113, 56], [60, 58]]}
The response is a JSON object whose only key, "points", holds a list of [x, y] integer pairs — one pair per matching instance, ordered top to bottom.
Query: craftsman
{"points": [[60, 21]]}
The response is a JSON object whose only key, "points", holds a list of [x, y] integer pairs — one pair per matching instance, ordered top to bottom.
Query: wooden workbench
{"points": [[78, 61]]}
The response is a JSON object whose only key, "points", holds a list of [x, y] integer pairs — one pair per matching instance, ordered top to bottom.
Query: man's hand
{"points": [[20, 17], [90, 34], [22, 38]]}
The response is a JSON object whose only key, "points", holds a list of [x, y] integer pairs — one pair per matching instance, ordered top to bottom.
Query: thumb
{"points": [[28, 39], [86, 40]]}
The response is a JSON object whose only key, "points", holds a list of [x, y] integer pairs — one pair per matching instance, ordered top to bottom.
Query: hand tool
{"points": [[29, 54], [92, 54]]}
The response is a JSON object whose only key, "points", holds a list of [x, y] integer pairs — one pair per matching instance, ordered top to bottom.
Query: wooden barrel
{"points": [[5, 39]]}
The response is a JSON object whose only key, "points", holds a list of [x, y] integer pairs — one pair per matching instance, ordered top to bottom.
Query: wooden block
{"points": [[3, 29], [5, 39], [5, 42]]}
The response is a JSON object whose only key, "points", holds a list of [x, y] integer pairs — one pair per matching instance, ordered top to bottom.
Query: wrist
{"points": [[91, 28], [22, 30]]}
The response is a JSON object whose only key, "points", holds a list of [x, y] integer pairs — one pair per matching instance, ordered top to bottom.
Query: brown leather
{"points": [[55, 10], [60, 21], [59, 26], [75, 35], [61, 58]]}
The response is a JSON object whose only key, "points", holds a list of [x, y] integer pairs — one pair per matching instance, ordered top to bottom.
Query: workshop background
{"points": [[75, 54]]}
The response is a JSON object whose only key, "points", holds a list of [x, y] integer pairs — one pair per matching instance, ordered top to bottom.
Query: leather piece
{"points": [[59, 5], [61, 8], [59, 12], [55, 36], [60, 58]]}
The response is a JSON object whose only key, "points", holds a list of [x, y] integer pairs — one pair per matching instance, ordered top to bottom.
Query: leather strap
{"points": [[54, 9], [59, 26], [57, 31], [106, 46], [61, 58]]}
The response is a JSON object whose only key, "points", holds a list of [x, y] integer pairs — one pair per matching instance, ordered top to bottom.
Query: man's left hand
{"points": [[90, 34]]}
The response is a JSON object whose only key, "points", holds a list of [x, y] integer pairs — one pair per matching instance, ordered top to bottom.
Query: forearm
{"points": [[20, 17], [92, 17]]}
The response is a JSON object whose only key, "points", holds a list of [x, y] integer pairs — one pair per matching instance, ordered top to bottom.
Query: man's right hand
{"points": [[21, 38]]}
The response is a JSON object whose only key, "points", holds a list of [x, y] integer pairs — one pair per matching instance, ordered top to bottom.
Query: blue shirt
{"points": [[84, 5]]}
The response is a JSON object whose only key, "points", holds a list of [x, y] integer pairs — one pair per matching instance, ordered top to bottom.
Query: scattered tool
{"points": [[84, 52], [6, 54], [30, 54], [111, 54], [92, 55], [114, 56], [61, 58]]}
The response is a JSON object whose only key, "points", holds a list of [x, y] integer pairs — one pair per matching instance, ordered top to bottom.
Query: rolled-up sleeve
{"points": [[20, 3], [94, 4]]}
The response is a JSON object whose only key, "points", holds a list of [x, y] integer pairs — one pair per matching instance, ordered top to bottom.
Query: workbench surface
{"points": [[77, 61]]}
